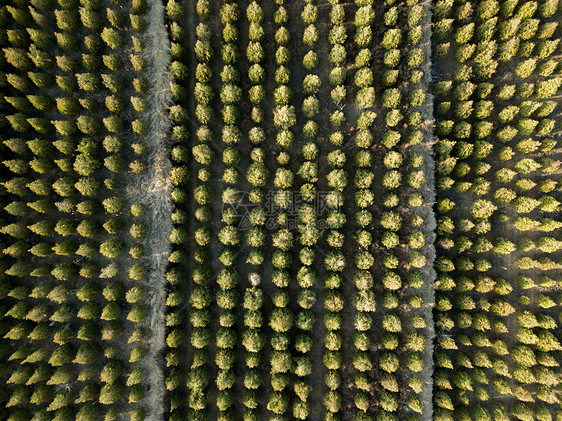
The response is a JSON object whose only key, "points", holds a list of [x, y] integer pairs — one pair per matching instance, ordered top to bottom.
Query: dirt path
{"points": [[153, 191], [426, 212], [266, 268], [348, 289]]}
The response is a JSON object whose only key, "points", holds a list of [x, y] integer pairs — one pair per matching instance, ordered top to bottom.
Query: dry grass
{"points": [[153, 190]]}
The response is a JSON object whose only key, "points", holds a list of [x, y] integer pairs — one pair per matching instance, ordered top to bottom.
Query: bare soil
{"points": [[425, 149]]}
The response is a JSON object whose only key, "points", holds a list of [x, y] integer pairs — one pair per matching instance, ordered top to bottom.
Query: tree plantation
{"points": [[280, 210]]}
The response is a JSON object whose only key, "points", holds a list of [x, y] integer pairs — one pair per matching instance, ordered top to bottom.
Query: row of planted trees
{"points": [[486, 114], [307, 214], [407, 218], [73, 248], [364, 295], [333, 299], [281, 318], [253, 338], [197, 377]]}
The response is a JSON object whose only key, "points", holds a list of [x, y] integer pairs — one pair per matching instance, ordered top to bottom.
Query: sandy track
{"points": [[153, 190]]}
